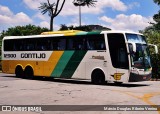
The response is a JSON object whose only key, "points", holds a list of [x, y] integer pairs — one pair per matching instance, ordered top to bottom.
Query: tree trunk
{"points": [[51, 23]]}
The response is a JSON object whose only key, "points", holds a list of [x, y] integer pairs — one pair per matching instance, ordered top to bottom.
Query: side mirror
{"points": [[132, 47], [155, 47]]}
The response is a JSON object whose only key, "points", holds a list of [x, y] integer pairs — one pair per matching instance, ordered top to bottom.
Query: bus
{"points": [[99, 56]]}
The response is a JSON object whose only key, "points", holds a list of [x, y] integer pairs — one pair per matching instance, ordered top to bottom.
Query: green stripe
{"points": [[93, 32], [81, 33], [89, 33], [62, 63], [73, 64]]}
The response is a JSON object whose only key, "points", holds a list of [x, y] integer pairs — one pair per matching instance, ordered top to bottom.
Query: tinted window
{"points": [[78, 42], [96, 43]]}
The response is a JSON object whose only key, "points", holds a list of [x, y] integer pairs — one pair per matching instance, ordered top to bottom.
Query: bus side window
{"points": [[96, 42], [53, 43], [80, 43], [62, 44], [21, 45], [39, 45], [70, 45], [90, 45], [51, 46], [102, 46], [14, 47]]}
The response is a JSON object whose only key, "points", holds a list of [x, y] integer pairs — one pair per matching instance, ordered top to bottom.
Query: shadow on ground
{"points": [[75, 81]]}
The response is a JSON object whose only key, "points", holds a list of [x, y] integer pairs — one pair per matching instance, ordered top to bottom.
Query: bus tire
{"points": [[19, 72], [28, 72], [98, 77]]}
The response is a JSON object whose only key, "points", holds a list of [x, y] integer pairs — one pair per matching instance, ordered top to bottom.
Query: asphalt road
{"points": [[45, 91]]}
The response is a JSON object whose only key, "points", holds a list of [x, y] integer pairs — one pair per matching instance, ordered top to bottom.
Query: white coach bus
{"points": [[116, 56]]}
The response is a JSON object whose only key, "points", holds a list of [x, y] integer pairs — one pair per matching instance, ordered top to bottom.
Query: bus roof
{"points": [[120, 31], [79, 32], [67, 33]]}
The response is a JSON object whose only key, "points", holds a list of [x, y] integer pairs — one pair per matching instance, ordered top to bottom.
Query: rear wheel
{"points": [[19, 72], [28, 72], [98, 77]]}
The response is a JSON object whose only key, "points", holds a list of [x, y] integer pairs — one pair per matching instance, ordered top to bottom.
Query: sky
{"points": [[130, 15]]}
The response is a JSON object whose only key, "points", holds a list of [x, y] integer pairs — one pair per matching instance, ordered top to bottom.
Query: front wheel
{"points": [[98, 77]]}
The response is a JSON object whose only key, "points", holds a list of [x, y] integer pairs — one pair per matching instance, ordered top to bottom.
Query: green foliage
{"points": [[157, 1], [156, 17], [63, 27], [23, 30], [153, 37], [155, 60]]}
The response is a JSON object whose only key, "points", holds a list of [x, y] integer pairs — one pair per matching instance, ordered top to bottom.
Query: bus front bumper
{"points": [[136, 78]]}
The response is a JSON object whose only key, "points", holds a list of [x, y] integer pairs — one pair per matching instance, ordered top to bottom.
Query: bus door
{"points": [[119, 67]]}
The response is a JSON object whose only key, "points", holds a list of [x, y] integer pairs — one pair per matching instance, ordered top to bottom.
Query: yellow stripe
{"points": [[62, 32], [52, 62]]}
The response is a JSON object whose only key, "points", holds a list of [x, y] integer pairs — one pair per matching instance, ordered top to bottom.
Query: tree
{"points": [[157, 1], [80, 3], [52, 10], [156, 17], [63, 27], [87, 28], [23, 30], [152, 34]]}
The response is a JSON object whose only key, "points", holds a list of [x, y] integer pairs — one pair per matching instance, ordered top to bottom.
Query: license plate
{"points": [[144, 77]]}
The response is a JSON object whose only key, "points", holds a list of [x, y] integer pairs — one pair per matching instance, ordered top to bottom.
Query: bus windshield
{"points": [[140, 58]]}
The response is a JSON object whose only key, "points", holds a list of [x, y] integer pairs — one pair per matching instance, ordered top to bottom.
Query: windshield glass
{"points": [[140, 59]]}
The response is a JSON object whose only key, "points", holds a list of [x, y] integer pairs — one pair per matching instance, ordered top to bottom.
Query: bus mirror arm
{"points": [[155, 47], [133, 49]]}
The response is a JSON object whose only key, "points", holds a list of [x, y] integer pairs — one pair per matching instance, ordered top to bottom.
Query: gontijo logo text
{"points": [[26, 55]]}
